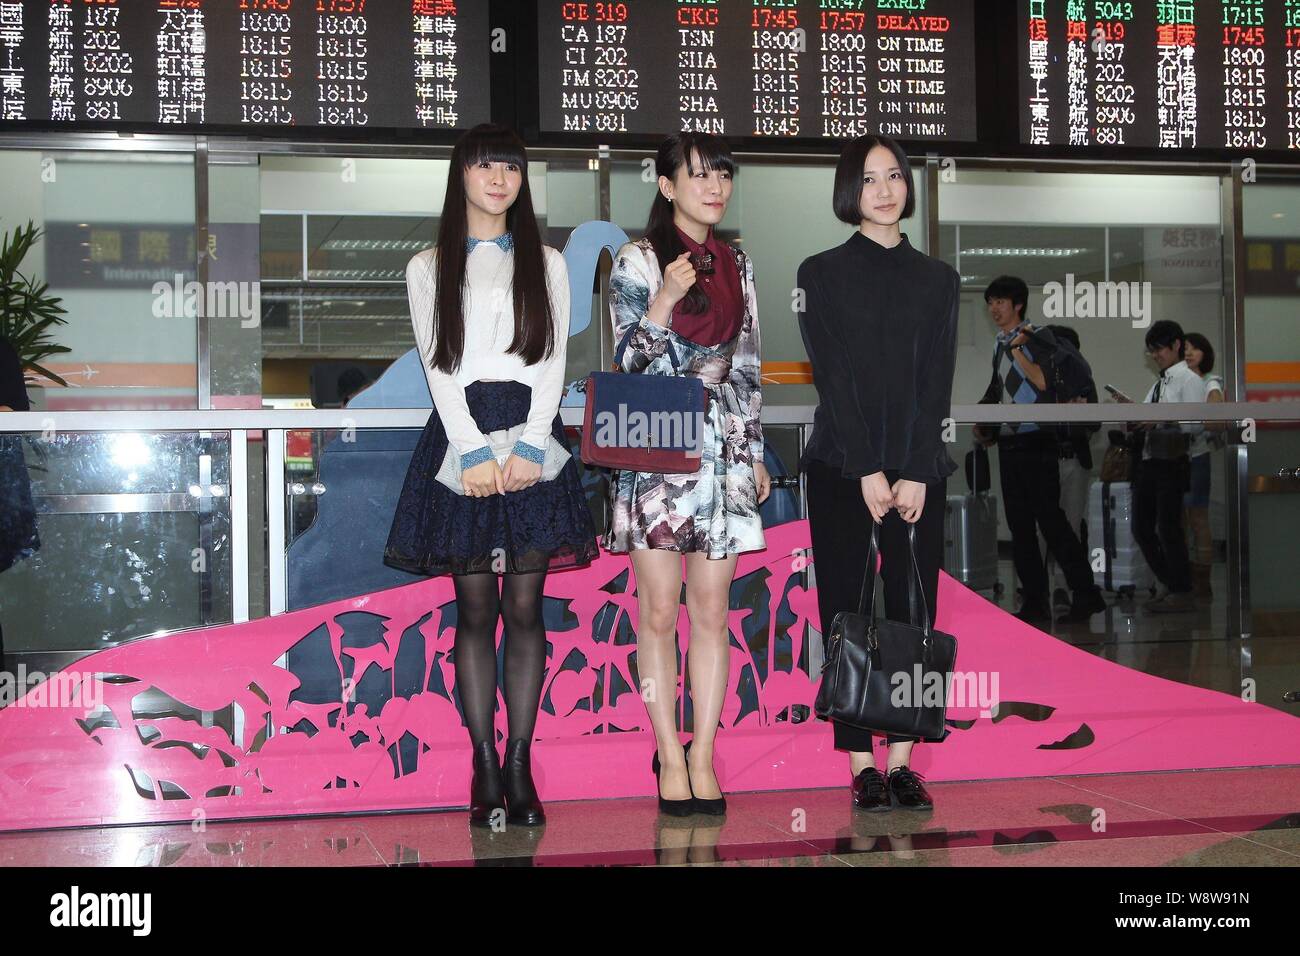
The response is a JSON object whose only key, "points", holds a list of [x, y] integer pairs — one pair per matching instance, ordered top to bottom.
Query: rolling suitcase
{"points": [[1110, 509], [970, 540]]}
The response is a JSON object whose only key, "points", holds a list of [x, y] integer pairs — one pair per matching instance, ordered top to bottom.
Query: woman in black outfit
{"points": [[880, 326]]}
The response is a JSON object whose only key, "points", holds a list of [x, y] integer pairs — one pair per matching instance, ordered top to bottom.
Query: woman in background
{"points": [[490, 307]]}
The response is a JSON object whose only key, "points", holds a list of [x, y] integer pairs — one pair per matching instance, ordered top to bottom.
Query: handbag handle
{"points": [[627, 337], [915, 592], [867, 601]]}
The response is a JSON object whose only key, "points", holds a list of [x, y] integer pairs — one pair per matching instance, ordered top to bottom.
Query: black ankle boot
{"points": [[486, 787], [521, 796]]}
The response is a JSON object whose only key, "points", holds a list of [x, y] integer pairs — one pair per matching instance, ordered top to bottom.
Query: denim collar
{"points": [[505, 241]]}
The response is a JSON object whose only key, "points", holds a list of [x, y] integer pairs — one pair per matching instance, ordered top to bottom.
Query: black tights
{"points": [[519, 604]]}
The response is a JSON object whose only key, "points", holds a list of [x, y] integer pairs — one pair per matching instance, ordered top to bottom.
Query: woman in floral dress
{"points": [[683, 303]]}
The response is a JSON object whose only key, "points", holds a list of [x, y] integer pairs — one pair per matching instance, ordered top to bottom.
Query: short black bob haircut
{"points": [[847, 200]]}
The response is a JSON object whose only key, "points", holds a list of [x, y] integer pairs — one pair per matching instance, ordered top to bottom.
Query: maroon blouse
{"points": [[721, 321]]}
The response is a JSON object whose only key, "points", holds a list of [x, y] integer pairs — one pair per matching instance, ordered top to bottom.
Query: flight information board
{"points": [[250, 63], [767, 68], [1176, 74]]}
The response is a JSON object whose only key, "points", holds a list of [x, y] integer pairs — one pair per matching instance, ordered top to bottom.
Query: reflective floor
{"points": [[1192, 647], [1245, 817]]}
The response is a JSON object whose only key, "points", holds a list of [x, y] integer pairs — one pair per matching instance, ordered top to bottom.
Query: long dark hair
{"points": [[674, 153], [534, 325]]}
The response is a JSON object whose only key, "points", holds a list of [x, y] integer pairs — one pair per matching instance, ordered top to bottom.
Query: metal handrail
{"points": [[308, 418]]}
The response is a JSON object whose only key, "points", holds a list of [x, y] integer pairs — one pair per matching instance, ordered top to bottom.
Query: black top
{"points": [[880, 326], [12, 390]]}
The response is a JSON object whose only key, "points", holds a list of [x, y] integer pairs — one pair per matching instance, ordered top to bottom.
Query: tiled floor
{"points": [[1203, 818]]}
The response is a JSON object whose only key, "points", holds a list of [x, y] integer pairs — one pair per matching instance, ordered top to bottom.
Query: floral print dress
{"points": [[713, 510]]}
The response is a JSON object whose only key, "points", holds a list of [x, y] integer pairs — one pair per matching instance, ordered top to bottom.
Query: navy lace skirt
{"points": [[436, 531]]}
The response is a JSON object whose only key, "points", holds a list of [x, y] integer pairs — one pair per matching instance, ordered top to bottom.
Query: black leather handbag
{"points": [[887, 676]]}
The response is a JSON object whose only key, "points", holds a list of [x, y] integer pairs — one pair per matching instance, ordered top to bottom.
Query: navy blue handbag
{"points": [[649, 423]]}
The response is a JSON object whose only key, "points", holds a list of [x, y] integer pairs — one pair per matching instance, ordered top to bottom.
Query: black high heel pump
{"points": [[714, 806], [674, 808]]}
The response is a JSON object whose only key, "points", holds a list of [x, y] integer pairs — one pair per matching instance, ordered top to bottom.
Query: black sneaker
{"points": [[870, 792], [909, 792]]}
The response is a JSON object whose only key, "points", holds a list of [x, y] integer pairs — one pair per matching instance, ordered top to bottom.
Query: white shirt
{"points": [[489, 329], [1178, 383]]}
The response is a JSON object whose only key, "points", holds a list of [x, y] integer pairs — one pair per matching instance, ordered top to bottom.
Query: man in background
{"points": [[1029, 457], [1075, 467]]}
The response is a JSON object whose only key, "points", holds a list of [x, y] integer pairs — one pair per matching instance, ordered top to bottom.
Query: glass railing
{"points": [[161, 521]]}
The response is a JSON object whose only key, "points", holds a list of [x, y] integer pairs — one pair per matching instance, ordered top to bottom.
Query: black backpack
{"points": [[1068, 374]]}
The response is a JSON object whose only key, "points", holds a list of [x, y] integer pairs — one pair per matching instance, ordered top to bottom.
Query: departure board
{"points": [[246, 63], [759, 68], [1176, 74]]}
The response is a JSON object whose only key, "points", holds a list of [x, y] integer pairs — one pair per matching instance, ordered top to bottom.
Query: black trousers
{"points": [[1031, 494], [1158, 520], [841, 530]]}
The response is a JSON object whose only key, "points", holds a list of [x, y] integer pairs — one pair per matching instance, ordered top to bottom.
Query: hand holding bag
{"points": [[887, 676]]}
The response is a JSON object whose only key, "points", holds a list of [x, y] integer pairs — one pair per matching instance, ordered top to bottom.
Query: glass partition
{"points": [[572, 198], [1271, 234], [118, 248], [1104, 254], [1104, 257], [134, 539]]}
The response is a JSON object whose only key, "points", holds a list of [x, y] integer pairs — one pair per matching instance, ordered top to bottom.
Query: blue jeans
{"points": [[1198, 495]]}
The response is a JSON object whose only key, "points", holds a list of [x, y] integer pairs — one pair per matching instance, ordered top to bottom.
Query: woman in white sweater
{"points": [[492, 496]]}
